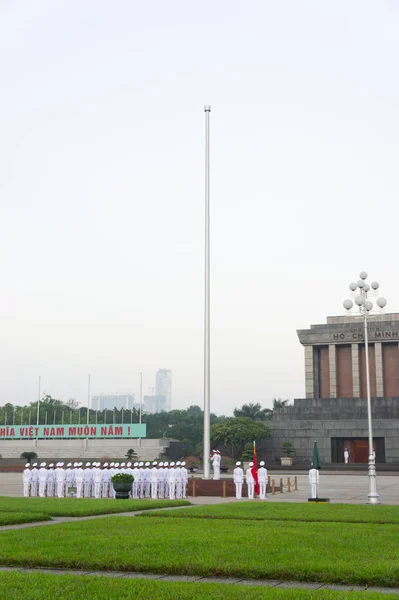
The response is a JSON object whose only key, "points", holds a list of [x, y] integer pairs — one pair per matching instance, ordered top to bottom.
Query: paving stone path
{"points": [[199, 579]]}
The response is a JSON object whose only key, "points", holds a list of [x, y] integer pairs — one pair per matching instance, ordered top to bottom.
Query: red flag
{"points": [[254, 472]]}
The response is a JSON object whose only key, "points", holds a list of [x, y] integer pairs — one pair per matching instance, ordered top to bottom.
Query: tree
{"points": [[280, 403], [254, 412], [235, 433], [131, 454], [28, 456]]}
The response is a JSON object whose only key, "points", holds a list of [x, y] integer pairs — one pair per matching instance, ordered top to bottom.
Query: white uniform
{"points": [[346, 456], [216, 459], [238, 475], [184, 476], [26, 477], [60, 477], [79, 477], [87, 477], [105, 478], [262, 478], [97, 479], [68, 480], [34, 481], [147, 481], [166, 481], [42, 482], [172, 482], [179, 482], [314, 482], [50, 483], [154, 483], [250, 483], [135, 486]]}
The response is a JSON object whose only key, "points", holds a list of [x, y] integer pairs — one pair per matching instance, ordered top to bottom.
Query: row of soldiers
{"points": [[156, 480]]}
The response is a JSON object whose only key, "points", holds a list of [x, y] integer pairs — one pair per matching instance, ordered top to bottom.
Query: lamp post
{"points": [[362, 290]]}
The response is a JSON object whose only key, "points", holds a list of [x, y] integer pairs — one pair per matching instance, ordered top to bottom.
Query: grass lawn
{"points": [[80, 507], [294, 511], [14, 518], [324, 552], [38, 586]]}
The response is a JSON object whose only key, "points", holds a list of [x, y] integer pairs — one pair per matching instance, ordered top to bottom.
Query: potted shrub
{"points": [[288, 452], [122, 483]]}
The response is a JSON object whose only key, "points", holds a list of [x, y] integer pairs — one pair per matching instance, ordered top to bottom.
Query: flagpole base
{"points": [[319, 500]]}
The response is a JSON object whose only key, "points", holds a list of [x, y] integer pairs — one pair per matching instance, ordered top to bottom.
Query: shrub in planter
{"points": [[122, 483]]}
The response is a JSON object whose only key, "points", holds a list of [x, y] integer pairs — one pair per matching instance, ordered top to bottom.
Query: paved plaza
{"points": [[348, 487]]}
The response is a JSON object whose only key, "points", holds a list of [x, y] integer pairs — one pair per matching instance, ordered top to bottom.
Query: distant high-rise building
{"points": [[163, 386], [111, 401], [154, 404]]}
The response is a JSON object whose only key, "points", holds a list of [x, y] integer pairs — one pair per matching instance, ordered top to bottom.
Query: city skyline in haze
{"points": [[102, 189]]}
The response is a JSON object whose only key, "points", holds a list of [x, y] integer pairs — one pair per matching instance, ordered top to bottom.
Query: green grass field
{"points": [[81, 507], [347, 513], [15, 518], [286, 550], [38, 586]]}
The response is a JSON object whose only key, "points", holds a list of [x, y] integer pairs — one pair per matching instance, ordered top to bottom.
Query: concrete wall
{"points": [[147, 449]]}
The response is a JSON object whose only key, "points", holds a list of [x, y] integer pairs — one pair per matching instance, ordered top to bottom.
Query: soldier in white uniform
{"points": [[346, 456], [216, 459], [135, 473], [105, 476], [184, 477], [26, 478], [68, 478], [79, 478], [238, 478], [166, 479], [262, 479], [34, 480], [42, 480], [87, 480], [97, 480], [147, 480], [154, 480], [178, 480], [50, 481], [60, 481], [161, 481], [172, 481], [250, 481], [314, 481]]}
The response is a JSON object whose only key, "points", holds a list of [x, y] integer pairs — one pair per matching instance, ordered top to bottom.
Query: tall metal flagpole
{"points": [[207, 340], [88, 400], [38, 401]]}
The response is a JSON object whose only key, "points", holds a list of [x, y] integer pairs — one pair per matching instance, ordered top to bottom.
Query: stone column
{"points": [[332, 361], [355, 370], [309, 372], [379, 375]]}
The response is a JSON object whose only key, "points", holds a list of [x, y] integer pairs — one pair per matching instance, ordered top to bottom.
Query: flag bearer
{"points": [[250, 481]]}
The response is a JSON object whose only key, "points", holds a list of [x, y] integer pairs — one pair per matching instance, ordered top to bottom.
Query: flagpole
{"points": [[207, 346]]}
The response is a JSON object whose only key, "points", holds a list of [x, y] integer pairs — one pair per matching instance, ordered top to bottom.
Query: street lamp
{"points": [[362, 290]]}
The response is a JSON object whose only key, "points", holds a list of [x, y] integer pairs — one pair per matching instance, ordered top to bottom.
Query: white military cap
{"points": [[262, 462], [178, 463], [238, 463], [35, 464], [42, 464], [61, 464], [75, 464], [80, 464], [87, 464], [111, 464], [123, 464], [129, 464], [136, 464], [141, 464], [147, 464], [154, 464], [160, 464], [166, 464], [172, 464], [183, 464], [251, 464], [27, 465], [51, 465], [69, 465], [105, 465], [116, 465]]}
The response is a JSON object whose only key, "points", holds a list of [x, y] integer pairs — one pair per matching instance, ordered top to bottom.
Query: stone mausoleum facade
{"points": [[334, 411]]}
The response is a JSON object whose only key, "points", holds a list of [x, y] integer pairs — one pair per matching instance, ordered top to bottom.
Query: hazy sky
{"points": [[102, 188]]}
